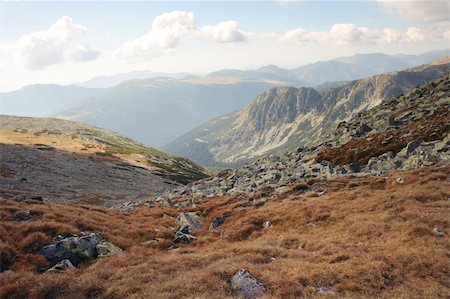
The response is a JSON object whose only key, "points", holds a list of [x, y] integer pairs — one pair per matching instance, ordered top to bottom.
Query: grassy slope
{"points": [[83, 139], [365, 237]]}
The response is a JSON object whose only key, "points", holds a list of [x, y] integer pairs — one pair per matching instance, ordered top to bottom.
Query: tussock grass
{"points": [[365, 237]]}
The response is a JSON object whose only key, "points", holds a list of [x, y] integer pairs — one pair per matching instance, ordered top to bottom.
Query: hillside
{"points": [[285, 118], [72, 162], [350, 237]]}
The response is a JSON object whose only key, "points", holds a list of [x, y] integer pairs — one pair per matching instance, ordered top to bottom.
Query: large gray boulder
{"points": [[191, 220], [78, 249], [246, 285]]}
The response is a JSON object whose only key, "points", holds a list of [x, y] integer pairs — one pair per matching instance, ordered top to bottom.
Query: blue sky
{"points": [[100, 38]]}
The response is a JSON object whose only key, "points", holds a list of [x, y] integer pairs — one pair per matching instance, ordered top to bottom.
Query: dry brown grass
{"points": [[365, 237]]}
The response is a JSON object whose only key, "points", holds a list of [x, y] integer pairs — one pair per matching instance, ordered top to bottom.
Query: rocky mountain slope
{"points": [[286, 117], [406, 132], [72, 162]]}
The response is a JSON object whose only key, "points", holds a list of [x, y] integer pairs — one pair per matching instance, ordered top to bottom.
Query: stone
{"points": [[412, 145], [353, 167], [400, 180], [23, 197], [184, 204], [23, 216], [190, 219], [216, 222], [267, 224], [183, 229], [438, 232], [184, 238], [106, 248], [78, 249], [61, 266], [246, 285], [325, 290]]}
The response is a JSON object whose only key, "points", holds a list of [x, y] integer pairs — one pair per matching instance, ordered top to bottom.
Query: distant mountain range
{"points": [[338, 69], [113, 80], [156, 110], [284, 118]]}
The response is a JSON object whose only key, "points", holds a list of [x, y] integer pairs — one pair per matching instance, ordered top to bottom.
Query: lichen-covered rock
{"points": [[191, 220], [105, 248], [78, 249], [61, 266], [246, 285]]}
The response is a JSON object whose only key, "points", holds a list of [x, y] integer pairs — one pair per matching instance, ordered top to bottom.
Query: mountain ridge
{"points": [[227, 144]]}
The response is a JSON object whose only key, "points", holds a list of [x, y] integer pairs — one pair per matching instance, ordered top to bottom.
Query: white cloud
{"points": [[434, 11], [169, 29], [224, 32], [351, 34], [40, 49], [84, 53]]}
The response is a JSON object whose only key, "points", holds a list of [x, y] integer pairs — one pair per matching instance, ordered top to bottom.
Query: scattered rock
{"points": [[411, 146], [400, 180], [23, 197], [185, 204], [23, 216], [191, 220], [216, 222], [267, 224], [438, 232], [183, 238], [79, 249], [61, 266], [246, 285], [325, 290]]}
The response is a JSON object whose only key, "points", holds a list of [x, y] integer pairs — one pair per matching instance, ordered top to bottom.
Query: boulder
{"points": [[23, 197], [190, 219], [216, 222], [182, 238], [105, 248], [78, 249], [61, 266], [246, 285]]}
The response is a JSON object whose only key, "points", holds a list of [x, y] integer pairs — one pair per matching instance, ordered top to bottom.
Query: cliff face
{"points": [[284, 118]]}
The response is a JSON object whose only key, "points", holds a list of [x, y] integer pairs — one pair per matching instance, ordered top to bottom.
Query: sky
{"points": [[66, 42]]}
